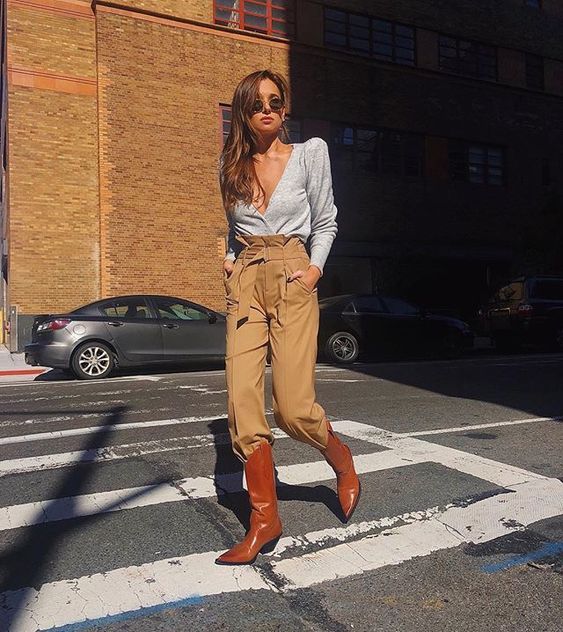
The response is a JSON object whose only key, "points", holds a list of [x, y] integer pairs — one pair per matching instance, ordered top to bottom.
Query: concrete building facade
{"points": [[444, 121]]}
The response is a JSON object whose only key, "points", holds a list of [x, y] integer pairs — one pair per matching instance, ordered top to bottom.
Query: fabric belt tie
{"points": [[260, 249]]}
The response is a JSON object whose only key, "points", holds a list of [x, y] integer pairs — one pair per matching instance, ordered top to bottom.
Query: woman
{"points": [[276, 197]]}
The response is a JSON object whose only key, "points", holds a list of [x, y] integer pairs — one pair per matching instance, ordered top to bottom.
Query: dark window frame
{"points": [[242, 14], [377, 32], [477, 50], [392, 155], [464, 167]]}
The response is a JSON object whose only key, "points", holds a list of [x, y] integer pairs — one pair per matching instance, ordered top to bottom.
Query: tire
{"points": [[342, 347], [92, 361]]}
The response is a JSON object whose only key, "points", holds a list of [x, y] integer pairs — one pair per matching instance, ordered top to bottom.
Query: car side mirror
{"points": [[212, 318]]}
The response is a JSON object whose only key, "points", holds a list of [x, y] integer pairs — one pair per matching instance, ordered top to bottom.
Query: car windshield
{"points": [[551, 289]]}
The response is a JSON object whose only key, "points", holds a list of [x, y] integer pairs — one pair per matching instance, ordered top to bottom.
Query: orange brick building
{"points": [[444, 126]]}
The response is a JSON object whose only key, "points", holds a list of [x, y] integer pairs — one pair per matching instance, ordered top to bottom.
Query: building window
{"points": [[273, 17], [387, 41], [467, 58], [534, 72], [293, 125], [377, 151], [471, 162]]}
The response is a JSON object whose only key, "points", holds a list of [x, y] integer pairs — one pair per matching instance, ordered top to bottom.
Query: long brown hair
{"points": [[236, 165]]}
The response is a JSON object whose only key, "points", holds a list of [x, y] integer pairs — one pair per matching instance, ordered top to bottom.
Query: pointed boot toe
{"points": [[340, 458], [265, 525]]}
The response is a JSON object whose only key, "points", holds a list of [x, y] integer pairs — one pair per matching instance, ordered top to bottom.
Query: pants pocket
{"points": [[301, 264], [228, 279]]}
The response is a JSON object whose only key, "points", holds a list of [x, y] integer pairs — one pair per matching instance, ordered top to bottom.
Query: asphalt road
{"points": [[116, 496]]}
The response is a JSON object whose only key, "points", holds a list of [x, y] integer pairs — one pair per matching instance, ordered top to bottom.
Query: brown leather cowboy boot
{"points": [[340, 459], [265, 525]]}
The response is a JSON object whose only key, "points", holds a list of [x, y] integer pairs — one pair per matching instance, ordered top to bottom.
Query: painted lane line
{"points": [[65, 382], [77, 414], [495, 424], [75, 432], [116, 452], [495, 472], [41, 512], [483, 521], [292, 544], [132, 589], [123, 590]]}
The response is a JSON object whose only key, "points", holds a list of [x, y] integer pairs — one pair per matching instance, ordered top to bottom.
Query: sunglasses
{"points": [[276, 104]]}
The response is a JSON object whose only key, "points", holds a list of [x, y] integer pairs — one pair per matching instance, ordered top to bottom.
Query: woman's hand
{"points": [[228, 266], [310, 276]]}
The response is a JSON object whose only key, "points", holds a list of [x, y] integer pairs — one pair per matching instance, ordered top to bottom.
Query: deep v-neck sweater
{"points": [[301, 204]]}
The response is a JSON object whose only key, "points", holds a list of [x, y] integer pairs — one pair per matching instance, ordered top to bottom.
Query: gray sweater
{"points": [[302, 204]]}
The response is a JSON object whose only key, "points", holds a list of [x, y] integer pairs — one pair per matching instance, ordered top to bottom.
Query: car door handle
{"points": [[115, 323], [170, 325]]}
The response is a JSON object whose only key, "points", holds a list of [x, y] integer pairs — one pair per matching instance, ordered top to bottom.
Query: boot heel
{"points": [[271, 545]]}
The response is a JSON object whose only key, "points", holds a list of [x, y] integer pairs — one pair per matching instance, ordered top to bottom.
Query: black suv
{"points": [[528, 310]]}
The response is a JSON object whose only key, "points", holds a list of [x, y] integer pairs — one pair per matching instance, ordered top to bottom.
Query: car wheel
{"points": [[342, 347], [92, 361]]}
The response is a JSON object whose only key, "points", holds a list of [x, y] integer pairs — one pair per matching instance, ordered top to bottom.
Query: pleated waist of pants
{"points": [[261, 249]]}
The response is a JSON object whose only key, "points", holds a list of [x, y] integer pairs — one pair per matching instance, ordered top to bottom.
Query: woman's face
{"points": [[268, 121]]}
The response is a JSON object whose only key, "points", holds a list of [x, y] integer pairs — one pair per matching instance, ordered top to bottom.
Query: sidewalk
{"points": [[13, 364]]}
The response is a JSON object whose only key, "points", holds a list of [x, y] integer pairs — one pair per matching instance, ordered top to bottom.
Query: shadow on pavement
{"points": [[22, 566]]}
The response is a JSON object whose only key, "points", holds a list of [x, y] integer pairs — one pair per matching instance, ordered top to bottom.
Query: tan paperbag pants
{"points": [[263, 306]]}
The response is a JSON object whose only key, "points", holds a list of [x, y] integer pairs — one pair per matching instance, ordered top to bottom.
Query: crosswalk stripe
{"points": [[495, 424], [76, 432], [116, 452], [498, 473], [41, 512], [485, 520], [98, 597]]}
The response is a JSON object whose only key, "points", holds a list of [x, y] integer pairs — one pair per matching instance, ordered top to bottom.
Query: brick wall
{"points": [[160, 89], [141, 93], [53, 228]]}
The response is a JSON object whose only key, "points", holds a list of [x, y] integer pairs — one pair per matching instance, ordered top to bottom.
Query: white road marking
{"points": [[334, 379], [63, 381], [77, 414], [495, 424], [75, 432], [116, 452], [498, 473], [528, 497], [40, 512], [481, 522], [134, 588]]}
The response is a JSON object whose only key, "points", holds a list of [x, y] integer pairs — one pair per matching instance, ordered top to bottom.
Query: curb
{"points": [[22, 372]]}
